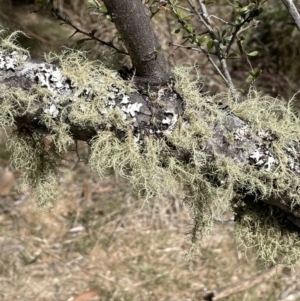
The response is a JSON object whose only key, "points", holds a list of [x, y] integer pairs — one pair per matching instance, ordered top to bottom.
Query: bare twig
{"points": [[293, 11], [205, 20], [91, 34], [208, 55], [242, 285]]}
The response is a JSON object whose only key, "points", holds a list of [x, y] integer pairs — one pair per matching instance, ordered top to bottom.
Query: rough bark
{"points": [[133, 23]]}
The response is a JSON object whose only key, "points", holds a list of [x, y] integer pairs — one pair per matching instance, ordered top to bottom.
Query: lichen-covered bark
{"points": [[243, 155]]}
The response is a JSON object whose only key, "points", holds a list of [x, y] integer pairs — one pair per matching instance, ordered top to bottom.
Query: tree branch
{"points": [[91, 34], [244, 155]]}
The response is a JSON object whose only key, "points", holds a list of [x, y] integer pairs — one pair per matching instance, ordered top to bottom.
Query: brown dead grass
{"points": [[101, 243]]}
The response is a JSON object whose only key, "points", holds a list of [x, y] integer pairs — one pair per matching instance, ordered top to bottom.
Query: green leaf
{"points": [[171, 2], [93, 3], [103, 9], [244, 9], [179, 13], [108, 17], [186, 18], [189, 28], [175, 31], [192, 39], [201, 40], [81, 41], [210, 45], [158, 49], [253, 53], [233, 55], [258, 73], [254, 74], [249, 79]]}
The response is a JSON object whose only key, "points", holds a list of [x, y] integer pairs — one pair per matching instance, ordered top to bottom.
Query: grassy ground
{"points": [[101, 243]]}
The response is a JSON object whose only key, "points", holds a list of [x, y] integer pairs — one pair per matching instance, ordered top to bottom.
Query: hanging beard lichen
{"points": [[38, 161]]}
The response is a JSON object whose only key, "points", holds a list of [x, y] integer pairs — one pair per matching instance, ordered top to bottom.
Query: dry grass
{"points": [[101, 243]]}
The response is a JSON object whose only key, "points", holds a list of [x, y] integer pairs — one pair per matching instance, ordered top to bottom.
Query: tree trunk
{"points": [[132, 20]]}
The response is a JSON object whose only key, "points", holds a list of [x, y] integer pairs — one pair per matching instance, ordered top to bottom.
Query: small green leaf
{"points": [[171, 2], [93, 3], [103, 9], [244, 9], [179, 13], [109, 18], [186, 18], [189, 28], [175, 31], [192, 39], [201, 40], [81, 41], [210, 45], [158, 49], [253, 53], [233, 55], [258, 73], [254, 74], [249, 79]]}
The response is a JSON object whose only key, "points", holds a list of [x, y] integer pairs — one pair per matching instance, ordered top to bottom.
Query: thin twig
{"points": [[205, 20], [222, 20], [238, 30], [91, 34], [201, 49]]}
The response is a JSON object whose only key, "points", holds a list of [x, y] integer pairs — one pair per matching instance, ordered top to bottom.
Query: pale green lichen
{"points": [[9, 43], [38, 162]]}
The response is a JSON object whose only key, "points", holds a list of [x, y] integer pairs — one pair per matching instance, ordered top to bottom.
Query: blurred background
{"points": [[100, 242]]}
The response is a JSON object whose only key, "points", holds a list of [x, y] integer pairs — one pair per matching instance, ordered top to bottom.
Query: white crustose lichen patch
{"points": [[11, 61], [132, 109], [170, 120], [242, 133], [293, 157], [263, 158]]}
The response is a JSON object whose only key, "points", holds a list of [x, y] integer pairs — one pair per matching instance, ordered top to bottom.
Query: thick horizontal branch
{"points": [[246, 154]]}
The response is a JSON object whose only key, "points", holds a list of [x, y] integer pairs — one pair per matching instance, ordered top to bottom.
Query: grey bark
{"points": [[289, 4], [133, 23]]}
